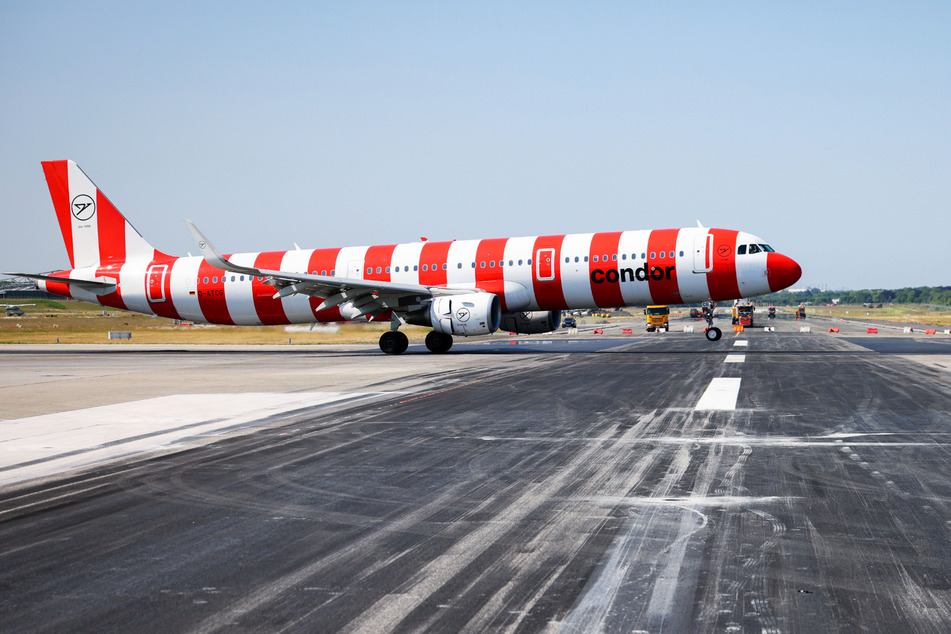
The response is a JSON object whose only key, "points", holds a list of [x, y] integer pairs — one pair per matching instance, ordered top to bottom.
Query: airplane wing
{"points": [[368, 297]]}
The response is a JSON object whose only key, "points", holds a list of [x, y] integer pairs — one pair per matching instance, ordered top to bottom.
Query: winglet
{"points": [[213, 256]]}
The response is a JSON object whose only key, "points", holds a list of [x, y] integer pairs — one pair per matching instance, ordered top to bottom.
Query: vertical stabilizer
{"points": [[94, 231]]}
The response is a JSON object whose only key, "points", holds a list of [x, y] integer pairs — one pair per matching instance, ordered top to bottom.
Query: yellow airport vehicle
{"points": [[658, 317]]}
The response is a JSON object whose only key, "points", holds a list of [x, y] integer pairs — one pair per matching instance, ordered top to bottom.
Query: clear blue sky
{"points": [[824, 128]]}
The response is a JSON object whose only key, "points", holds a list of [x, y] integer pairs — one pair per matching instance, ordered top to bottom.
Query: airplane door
{"points": [[703, 253], [545, 265], [355, 269], [156, 277]]}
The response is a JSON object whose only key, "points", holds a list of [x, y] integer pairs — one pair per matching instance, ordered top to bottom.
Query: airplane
{"points": [[459, 288], [15, 310]]}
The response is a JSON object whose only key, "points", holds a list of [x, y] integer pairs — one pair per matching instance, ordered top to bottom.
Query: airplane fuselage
{"points": [[538, 273]]}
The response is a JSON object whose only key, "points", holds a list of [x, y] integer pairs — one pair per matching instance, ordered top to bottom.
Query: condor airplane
{"points": [[459, 288]]}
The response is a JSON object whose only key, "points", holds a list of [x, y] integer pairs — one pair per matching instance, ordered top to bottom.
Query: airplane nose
{"points": [[781, 271]]}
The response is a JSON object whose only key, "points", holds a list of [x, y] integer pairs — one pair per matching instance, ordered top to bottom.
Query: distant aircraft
{"points": [[458, 288], [14, 309]]}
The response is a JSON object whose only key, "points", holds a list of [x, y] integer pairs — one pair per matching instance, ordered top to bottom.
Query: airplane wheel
{"points": [[713, 334], [393, 342], [438, 342]]}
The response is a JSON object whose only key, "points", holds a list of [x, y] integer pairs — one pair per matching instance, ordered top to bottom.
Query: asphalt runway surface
{"points": [[661, 483]]}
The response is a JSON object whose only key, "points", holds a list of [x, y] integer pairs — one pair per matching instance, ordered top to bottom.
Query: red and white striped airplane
{"points": [[458, 288]]}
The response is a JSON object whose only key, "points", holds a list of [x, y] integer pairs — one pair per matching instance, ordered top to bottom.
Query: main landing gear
{"points": [[712, 332], [393, 342], [438, 342]]}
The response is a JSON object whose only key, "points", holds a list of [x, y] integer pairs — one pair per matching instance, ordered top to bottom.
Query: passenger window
{"points": [[741, 250], [653, 254], [662, 254], [614, 257], [585, 258], [595, 258], [604, 258], [520, 263], [492, 264], [481, 265], [459, 266], [425, 267], [378, 270], [214, 280], [204, 281]]}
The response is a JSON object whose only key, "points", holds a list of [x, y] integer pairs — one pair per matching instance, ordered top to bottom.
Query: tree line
{"points": [[938, 295]]}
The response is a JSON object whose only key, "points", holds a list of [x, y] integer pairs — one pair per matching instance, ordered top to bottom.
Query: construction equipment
{"points": [[743, 314], [658, 317]]}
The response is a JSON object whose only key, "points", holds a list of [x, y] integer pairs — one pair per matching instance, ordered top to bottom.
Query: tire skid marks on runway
{"points": [[635, 561], [735, 595], [387, 613]]}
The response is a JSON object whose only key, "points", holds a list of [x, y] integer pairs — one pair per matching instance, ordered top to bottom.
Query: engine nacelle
{"points": [[463, 315], [532, 323]]}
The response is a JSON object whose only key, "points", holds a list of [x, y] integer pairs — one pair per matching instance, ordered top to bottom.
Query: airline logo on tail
{"points": [[84, 207], [457, 288]]}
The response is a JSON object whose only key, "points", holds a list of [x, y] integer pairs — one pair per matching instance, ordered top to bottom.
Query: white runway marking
{"points": [[741, 343], [735, 358], [721, 394], [39, 446]]}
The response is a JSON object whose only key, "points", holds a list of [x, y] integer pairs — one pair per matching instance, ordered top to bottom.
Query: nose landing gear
{"points": [[711, 332]]}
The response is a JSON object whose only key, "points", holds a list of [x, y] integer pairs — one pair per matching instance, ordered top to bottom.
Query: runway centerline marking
{"points": [[741, 343], [735, 358], [721, 394]]}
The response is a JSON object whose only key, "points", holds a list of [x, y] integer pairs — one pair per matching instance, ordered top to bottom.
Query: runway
{"points": [[782, 481]]}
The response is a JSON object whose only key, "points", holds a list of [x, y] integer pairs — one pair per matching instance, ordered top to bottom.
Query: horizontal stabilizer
{"points": [[93, 286]]}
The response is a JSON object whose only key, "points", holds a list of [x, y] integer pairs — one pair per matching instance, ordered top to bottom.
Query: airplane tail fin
{"points": [[94, 231]]}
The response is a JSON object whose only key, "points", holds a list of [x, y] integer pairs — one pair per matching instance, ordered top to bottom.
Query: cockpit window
{"points": [[754, 248], [767, 248], [741, 250]]}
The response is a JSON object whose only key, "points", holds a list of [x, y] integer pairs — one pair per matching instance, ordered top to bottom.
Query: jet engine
{"points": [[462, 315], [532, 323]]}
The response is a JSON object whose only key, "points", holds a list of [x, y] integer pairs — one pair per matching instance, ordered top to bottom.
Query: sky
{"points": [[824, 128]]}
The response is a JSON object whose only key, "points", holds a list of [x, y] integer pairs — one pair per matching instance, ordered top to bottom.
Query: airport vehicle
{"points": [[457, 288], [771, 312], [695, 313], [743, 313], [658, 317], [569, 322]]}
